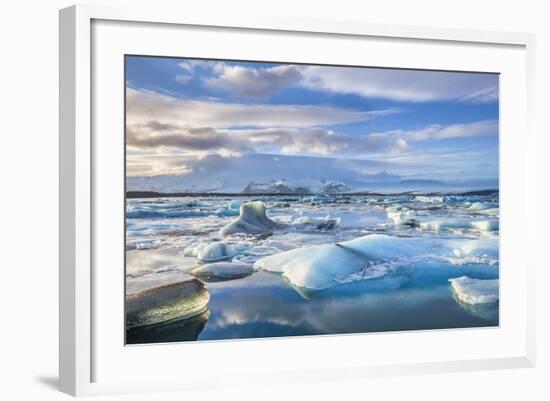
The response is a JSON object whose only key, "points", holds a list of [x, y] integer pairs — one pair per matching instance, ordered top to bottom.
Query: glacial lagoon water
{"points": [[310, 265]]}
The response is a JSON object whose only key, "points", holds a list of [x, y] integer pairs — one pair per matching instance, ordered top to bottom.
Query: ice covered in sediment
{"points": [[402, 216], [252, 220], [325, 223], [214, 251], [324, 266], [223, 270], [474, 291], [179, 300]]}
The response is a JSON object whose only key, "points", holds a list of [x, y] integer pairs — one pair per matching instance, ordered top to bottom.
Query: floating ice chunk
{"points": [[321, 198], [429, 199], [234, 205], [478, 206], [494, 211], [223, 212], [403, 217], [252, 220], [325, 223], [445, 224], [468, 224], [486, 225], [214, 251], [481, 251], [323, 266], [223, 271], [474, 291], [161, 304]]}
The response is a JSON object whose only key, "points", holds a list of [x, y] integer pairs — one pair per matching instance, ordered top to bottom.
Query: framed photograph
{"points": [[290, 200]]}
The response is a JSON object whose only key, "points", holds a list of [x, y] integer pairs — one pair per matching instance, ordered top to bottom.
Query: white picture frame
{"points": [[78, 218]]}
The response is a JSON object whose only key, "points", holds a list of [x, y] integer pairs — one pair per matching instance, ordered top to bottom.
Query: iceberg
{"points": [[234, 205], [478, 206], [226, 212], [403, 217], [252, 220], [486, 225], [214, 251], [480, 251], [323, 266], [222, 271], [474, 291], [179, 300]]}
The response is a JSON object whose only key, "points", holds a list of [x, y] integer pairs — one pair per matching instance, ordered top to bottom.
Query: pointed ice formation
{"points": [[252, 220]]}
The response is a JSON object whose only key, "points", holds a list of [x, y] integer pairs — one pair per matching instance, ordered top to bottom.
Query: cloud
{"points": [[190, 65], [183, 79], [254, 83], [386, 83], [394, 84], [403, 85], [143, 106], [161, 123], [440, 132], [156, 136], [318, 141], [152, 166]]}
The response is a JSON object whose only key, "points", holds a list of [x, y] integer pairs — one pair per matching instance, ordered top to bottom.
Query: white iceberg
{"points": [[478, 206], [252, 220], [486, 225], [215, 251], [480, 251], [324, 266], [223, 271], [474, 291], [168, 302]]}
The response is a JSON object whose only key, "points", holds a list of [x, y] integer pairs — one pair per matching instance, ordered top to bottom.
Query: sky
{"points": [[212, 125]]}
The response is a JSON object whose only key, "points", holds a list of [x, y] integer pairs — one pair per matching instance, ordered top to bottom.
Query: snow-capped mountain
{"points": [[277, 186], [332, 187]]}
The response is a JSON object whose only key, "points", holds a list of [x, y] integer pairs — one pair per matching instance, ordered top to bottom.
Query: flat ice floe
{"points": [[252, 220], [372, 256], [324, 266], [223, 271], [474, 291], [179, 300]]}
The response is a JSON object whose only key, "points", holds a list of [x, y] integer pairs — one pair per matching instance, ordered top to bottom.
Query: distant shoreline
{"points": [[153, 194]]}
